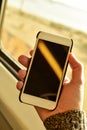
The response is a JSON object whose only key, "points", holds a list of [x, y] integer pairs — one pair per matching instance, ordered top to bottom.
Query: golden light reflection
{"points": [[50, 59]]}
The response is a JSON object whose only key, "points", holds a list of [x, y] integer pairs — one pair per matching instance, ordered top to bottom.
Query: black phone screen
{"points": [[46, 70]]}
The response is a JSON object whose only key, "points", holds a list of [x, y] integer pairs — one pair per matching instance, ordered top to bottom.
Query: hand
{"points": [[73, 90]]}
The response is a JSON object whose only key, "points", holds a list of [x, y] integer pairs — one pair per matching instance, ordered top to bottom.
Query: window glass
{"points": [[24, 18]]}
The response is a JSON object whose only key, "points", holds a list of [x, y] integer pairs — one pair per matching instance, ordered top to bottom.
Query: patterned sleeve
{"points": [[70, 120]]}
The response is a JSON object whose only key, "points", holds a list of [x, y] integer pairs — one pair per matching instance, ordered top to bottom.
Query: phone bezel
{"points": [[37, 101]]}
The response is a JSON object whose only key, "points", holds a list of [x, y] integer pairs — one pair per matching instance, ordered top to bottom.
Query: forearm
{"points": [[70, 120]]}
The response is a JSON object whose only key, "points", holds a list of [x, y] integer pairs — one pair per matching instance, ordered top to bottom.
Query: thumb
{"points": [[77, 70]]}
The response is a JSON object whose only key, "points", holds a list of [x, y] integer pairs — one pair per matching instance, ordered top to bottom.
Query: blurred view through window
{"points": [[24, 18]]}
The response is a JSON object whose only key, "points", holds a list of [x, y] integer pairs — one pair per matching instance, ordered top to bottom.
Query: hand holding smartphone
{"points": [[43, 83]]}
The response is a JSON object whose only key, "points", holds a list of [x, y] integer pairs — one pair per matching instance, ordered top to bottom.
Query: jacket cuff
{"points": [[70, 120]]}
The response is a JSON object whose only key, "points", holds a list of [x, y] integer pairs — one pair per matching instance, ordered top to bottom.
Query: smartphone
{"points": [[43, 82]]}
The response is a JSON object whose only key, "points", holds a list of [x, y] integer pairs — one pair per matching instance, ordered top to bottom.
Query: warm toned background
{"points": [[19, 33]]}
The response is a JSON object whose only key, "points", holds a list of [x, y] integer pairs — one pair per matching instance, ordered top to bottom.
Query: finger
{"points": [[31, 52], [24, 60], [77, 70], [21, 74], [66, 80], [19, 85]]}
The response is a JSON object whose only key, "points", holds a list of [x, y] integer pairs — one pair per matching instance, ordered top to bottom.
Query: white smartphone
{"points": [[43, 83]]}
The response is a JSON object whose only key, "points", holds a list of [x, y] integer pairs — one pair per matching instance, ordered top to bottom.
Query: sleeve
{"points": [[70, 120]]}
